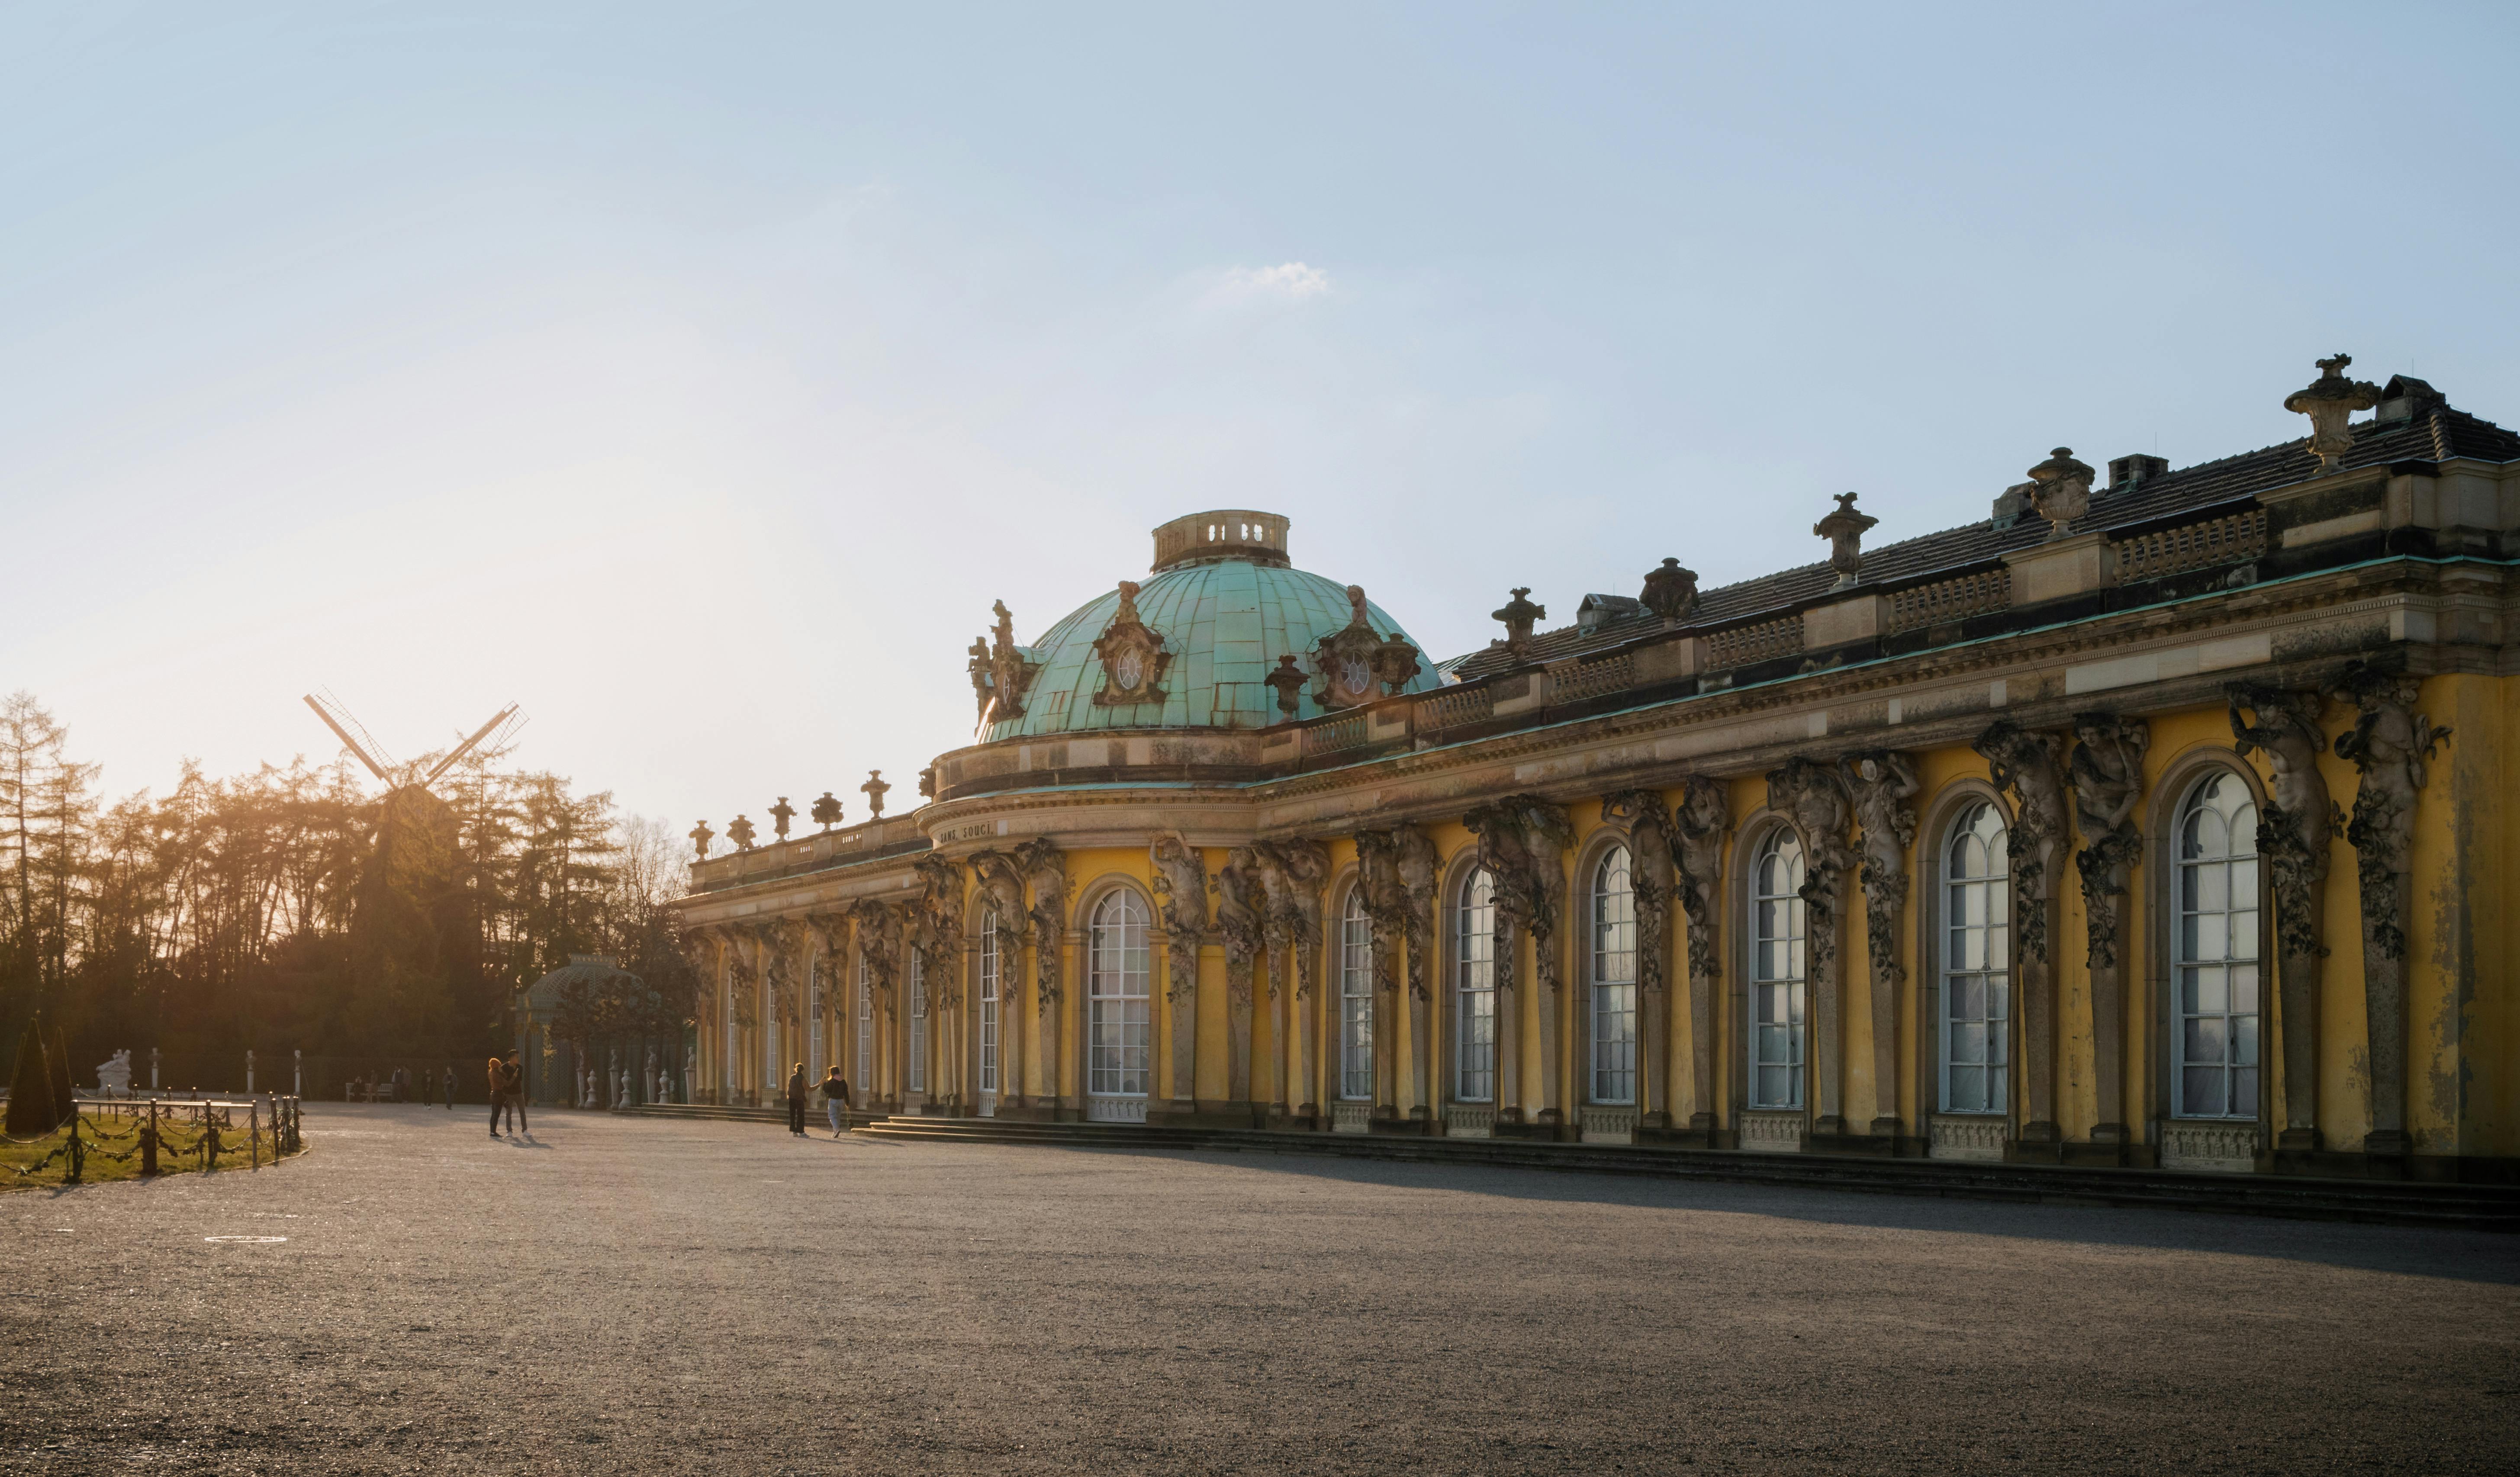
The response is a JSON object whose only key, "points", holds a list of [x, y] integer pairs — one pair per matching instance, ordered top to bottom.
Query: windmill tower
{"points": [[409, 907]]}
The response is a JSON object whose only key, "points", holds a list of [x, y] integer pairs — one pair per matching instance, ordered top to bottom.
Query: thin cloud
{"points": [[1287, 282]]}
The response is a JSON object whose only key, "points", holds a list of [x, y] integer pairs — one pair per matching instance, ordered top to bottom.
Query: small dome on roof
{"points": [[1226, 605]]}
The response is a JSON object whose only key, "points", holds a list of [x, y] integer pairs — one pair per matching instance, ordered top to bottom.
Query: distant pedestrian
{"points": [[512, 1080], [402, 1084], [450, 1087], [797, 1090], [498, 1095], [835, 1097]]}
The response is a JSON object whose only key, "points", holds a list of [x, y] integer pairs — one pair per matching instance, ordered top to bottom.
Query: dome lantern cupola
{"points": [[1227, 533]]}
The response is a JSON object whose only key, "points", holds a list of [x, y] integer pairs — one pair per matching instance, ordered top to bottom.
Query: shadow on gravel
{"points": [[2467, 1256]]}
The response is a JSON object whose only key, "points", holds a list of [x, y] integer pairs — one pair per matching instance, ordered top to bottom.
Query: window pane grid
{"points": [[1776, 974], [1614, 982], [1474, 992], [1356, 1001], [989, 1002], [918, 1021], [1120, 1023], [1976, 1036], [2215, 1041]]}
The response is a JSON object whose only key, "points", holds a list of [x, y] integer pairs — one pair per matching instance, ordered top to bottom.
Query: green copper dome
{"points": [[1225, 608]]}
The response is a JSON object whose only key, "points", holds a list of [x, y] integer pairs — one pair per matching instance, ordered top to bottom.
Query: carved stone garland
{"points": [[2391, 745], [2027, 764], [2108, 769], [1882, 784], [1810, 791], [1645, 818], [1700, 826], [2294, 832], [1522, 845], [1045, 868], [1180, 894], [1240, 902]]}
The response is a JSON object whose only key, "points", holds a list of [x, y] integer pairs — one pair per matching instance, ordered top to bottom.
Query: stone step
{"points": [[2487, 1207]]}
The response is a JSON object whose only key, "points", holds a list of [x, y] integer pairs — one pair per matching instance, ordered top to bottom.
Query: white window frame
{"points": [[989, 968], [2215, 968], [1778, 974], [1613, 980], [1355, 1001], [814, 1013], [1475, 1020], [1976, 1035], [1120, 1041], [917, 1067], [865, 1083]]}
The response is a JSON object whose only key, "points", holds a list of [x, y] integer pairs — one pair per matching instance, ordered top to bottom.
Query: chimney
{"points": [[2404, 397], [2130, 472]]}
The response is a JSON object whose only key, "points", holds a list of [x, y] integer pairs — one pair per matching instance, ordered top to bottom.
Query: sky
{"points": [[697, 376]]}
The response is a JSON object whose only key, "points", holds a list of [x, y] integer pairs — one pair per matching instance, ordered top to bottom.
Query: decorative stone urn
{"points": [[2329, 401], [2060, 488]]}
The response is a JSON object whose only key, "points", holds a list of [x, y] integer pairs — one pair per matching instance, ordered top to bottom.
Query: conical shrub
{"points": [[30, 1087], [65, 1096]]}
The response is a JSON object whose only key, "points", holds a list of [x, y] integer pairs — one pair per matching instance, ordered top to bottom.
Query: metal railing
{"points": [[2193, 546], [1948, 600]]}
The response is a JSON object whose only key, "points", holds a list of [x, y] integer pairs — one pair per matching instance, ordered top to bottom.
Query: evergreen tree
{"points": [[30, 1087]]}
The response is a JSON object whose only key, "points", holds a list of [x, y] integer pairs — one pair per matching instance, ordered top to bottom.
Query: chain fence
{"points": [[166, 1137]]}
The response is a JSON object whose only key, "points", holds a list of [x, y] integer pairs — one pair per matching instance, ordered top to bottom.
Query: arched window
{"points": [[1977, 966], [1777, 972], [1614, 981], [1474, 990], [1355, 999], [989, 1000], [918, 1020], [1120, 1025], [866, 1030], [2215, 1043]]}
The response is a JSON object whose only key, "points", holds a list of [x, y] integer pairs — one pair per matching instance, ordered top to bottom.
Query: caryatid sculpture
{"points": [[2391, 744], [2029, 765], [2107, 771], [1882, 784], [1812, 795], [1645, 818], [1700, 826], [2294, 832], [1522, 843], [1045, 868], [1418, 869], [1292, 873], [1181, 895], [1001, 897], [1385, 901], [1239, 922]]}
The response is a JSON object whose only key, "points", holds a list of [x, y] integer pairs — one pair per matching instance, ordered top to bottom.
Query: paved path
{"points": [[641, 1296]]}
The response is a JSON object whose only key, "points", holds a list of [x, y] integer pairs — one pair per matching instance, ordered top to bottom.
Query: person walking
{"points": [[512, 1080], [450, 1087], [498, 1095], [796, 1095], [835, 1097]]}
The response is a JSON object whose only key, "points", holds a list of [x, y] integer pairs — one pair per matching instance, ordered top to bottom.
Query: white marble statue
{"points": [[114, 1078], [621, 1086], [664, 1086], [586, 1087]]}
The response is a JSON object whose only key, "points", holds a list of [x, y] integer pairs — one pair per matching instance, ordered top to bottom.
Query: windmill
{"points": [[408, 906]]}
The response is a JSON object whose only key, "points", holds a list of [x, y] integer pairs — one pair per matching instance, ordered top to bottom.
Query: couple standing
{"points": [[507, 1090], [835, 1097]]}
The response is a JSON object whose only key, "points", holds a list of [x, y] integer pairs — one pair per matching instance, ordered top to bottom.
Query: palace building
{"points": [[2160, 818]]}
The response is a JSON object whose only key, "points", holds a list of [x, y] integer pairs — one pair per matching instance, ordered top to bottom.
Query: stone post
{"points": [[2107, 770], [1883, 786], [1701, 823], [1418, 866], [1045, 868], [1181, 893], [1239, 920]]}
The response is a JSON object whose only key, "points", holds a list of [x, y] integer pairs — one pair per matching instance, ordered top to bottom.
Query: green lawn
{"points": [[179, 1150]]}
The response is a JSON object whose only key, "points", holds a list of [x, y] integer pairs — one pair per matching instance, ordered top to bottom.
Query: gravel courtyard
{"points": [[642, 1296]]}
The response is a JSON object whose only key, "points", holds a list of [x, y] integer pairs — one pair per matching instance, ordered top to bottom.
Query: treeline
{"points": [[307, 909]]}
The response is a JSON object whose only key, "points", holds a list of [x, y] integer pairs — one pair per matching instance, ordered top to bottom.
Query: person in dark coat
{"points": [[512, 1081], [797, 1091], [498, 1095], [835, 1098]]}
